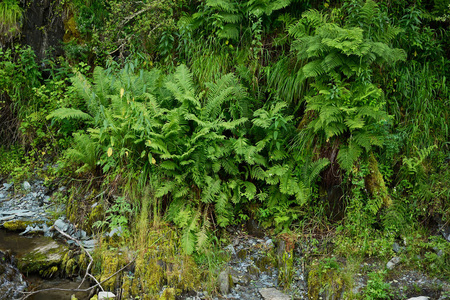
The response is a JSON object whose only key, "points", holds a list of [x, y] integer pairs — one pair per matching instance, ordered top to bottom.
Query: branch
{"points": [[28, 294]]}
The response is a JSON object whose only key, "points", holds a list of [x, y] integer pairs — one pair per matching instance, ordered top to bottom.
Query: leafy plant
{"points": [[10, 20], [345, 102], [376, 287]]}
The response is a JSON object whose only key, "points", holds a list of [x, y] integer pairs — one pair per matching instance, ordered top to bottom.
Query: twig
{"points": [[87, 252], [28, 294]]}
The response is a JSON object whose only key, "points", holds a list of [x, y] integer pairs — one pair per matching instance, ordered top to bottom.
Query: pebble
{"points": [[26, 186], [393, 262]]}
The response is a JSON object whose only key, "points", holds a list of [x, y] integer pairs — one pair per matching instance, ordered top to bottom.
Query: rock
{"points": [[7, 186], [26, 186], [46, 199], [4, 219], [61, 225], [115, 231], [89, 244], [269, 244], [396, 247], [230, 249], [42, 257], [393, 262], [11, 281], [224, 282], [273, 294], [106, 295], [419, 298]]}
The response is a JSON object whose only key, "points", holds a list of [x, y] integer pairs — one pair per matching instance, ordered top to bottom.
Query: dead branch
{"points": [[98, 284]]}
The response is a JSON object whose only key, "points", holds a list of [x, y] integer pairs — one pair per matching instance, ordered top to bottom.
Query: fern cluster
{"points": [[346, 103], [209, 151]]}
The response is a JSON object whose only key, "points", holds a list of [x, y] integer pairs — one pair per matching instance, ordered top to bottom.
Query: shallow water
{"points": [[21, 245]]}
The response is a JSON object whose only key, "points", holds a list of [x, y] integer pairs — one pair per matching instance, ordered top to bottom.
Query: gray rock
{"points": [[7, 186], [26, 186], [14, 212], [7, 218], [61, 225], [116, 231], [83, 234], [89, 244], [269, 244], [396, 247], [230, 249], [43, 256], [393, 262], [224, 282], [273, 294], [106, 295], [419, 298]]}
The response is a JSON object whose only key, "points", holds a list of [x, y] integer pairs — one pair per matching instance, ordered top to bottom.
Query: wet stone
{"points": [[11, 281], [224, 282], [273, 294]]}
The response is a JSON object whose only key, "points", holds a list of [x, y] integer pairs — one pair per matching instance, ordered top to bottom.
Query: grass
{"points": [[10, 19]]}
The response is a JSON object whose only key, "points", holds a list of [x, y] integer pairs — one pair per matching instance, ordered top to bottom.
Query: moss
{"points": [[71, 31], [374, 182], [96, 214], [17, 225], [42, 258], [110, 263], [70, 266], [286, 268], [49, 272], [327, 281], [126, 287], [168, 294], [95, 298]]}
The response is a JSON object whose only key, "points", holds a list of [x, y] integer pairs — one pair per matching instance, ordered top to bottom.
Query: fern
{"points": [[69, 113], [84, 151], [348, 155]]}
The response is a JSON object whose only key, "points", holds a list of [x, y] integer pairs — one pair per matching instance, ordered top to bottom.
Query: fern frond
{"points": [[69, 113], [348, 155], [314, 169], [250, 190]]}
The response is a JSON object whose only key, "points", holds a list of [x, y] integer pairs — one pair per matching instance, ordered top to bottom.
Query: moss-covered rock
{"points": [[16, 225], [42, 258]]}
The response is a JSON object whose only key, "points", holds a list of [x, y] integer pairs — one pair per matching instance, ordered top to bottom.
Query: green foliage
{"points": [[10, 20], [347, 105], [117, 217], [376, 287]]}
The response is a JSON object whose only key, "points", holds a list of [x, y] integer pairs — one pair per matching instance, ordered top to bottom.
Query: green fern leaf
{"points": [[69, 113], [348, 155]]}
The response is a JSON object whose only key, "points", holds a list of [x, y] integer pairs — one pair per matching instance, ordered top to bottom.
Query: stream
{"points": [[19, 246]]}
